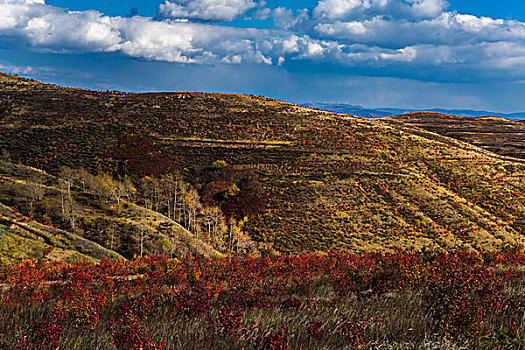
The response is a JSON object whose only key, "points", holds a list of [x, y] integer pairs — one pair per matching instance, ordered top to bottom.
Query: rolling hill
{"points": [[501, 136], [333, 181]]}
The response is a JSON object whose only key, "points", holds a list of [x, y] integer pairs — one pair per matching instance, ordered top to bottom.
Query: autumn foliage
{"points": [[139, 156], [238, 192], [160, 303]]}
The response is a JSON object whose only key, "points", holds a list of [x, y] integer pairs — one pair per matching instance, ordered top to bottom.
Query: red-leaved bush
{"points": [[238, 303]]}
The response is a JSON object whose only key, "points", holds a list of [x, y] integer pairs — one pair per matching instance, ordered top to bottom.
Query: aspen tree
{"points": [[34, 191]]}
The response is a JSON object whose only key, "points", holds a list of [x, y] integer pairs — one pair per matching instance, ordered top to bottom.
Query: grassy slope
{"points": [[335, 181], [98, 218], [23, 237]]}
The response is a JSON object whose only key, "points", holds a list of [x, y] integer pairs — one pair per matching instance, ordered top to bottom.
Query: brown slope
{"points": [[498, 135], [334, 181]]}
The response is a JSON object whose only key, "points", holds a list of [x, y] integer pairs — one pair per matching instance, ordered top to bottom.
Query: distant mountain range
{"points": [[383, 112]]}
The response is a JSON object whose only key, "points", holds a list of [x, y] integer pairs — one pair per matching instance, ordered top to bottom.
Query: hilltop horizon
{"points": [[335, 107], [379, 112]]}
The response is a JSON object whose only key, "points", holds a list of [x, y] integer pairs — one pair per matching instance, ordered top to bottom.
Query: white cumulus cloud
{"points": [[359, 9], [206, 10], [447, 29]]}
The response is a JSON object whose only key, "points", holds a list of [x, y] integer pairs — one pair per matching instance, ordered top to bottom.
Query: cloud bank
{"points": [[421, 38]]}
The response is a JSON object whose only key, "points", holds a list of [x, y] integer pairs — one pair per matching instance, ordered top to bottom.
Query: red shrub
{"points": [[314, 329], [130, 334], [269, 339]]}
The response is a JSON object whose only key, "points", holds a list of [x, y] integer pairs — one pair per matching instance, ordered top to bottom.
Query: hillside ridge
{"points": [[498, 135], [333, 181]]}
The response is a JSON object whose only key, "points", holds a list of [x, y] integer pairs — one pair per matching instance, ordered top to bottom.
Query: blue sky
{"points": [[374, 53]]}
